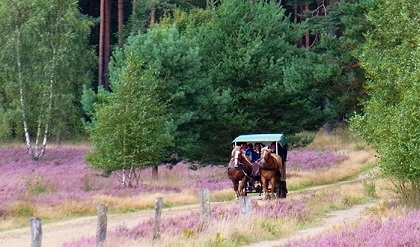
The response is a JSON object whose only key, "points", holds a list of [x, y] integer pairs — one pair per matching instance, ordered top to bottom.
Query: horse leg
{"points": [[264, 182], [242, 187], [273, 187], [235, 188]]}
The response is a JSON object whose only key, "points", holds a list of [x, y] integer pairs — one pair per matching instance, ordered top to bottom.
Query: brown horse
{"points": [[271, 167], [239, 171]]}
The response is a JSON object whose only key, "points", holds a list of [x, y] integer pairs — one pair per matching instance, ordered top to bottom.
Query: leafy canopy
{"points": [[391, 58], [130, 127]]}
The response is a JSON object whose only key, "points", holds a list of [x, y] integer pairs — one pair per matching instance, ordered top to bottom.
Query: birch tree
{"points": [[45, 60], [131, 129]]}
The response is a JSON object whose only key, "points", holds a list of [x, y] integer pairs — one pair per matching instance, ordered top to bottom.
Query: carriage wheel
{"points": [[278, 189], [282, 189]]}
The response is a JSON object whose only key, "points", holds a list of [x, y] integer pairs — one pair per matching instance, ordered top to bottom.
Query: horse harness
{"points": [[239, 165]]}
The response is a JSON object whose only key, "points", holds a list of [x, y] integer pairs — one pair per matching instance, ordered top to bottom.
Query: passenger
{"points": [[244, 147], [273, 147], [249, 151], [257, 152], [283, 152]]}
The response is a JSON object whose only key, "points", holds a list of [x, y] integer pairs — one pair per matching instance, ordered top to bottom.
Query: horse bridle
{"points": [[236, 159], [239, 164]]}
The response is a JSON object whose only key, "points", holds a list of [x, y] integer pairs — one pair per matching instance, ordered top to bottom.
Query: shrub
{"points": [[22, 209]]}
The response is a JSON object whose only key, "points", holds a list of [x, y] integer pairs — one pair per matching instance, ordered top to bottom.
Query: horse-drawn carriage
{"points": [[267, 174]]}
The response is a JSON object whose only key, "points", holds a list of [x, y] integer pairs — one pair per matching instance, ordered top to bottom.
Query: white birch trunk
{"points": [[21, 93], [49, 109], [43, 119]]}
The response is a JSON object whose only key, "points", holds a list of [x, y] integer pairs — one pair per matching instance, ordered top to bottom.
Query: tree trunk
{"points": [[153, 15], [120, 22], [104, 41], [107, 42], [101, 44], [307, 44], [22, 93], [155, 172]]}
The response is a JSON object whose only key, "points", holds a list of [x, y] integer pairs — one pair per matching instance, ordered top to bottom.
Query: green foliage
{"points": [[142, 10], [45, 48], [245, 48], [236, 68], [329, 72], [180, 87], [87, 100], [391, 113], [131, 127], [5, 130], [300, 140], [369, 188]]}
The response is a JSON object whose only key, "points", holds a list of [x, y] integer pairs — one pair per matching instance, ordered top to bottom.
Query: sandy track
{"points": [[334, 218], [58, 233]]}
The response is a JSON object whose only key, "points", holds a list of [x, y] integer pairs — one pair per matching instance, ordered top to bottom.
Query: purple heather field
{"points": [[62, 174], [389, 231]]}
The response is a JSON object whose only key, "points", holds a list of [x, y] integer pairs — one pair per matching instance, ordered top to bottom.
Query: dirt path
{"points": [[334, 218], [57, 233]]}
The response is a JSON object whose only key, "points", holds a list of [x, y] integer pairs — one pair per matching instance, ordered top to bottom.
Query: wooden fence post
{"points": [[205, 202], [245, 205], [158, 213], [102, 224], [36, 232]]}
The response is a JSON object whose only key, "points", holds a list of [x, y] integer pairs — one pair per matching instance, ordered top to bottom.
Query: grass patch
{"points": [[336, 140], [361, 162], [37, 186], [369, 188], [223, 195], [22, 209]]}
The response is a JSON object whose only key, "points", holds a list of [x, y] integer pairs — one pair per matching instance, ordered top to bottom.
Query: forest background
{"points": [[186, 77]]}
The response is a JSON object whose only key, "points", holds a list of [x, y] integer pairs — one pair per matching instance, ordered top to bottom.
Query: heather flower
{"points": [[313, 160], [62, 175], [395, 231]]}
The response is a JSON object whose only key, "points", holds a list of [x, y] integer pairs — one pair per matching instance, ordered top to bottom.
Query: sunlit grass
{"points": [[337, 140], [360, 162]]}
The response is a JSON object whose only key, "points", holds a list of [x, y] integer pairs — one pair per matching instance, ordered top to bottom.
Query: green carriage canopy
{"points": [[262, 138]]}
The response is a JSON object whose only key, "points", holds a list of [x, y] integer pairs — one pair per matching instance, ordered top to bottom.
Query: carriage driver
{"points": [[282, 150]]}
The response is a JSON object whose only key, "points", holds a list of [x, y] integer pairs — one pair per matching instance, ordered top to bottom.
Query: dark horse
{"points": [[239, 171], [272, 171]]}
